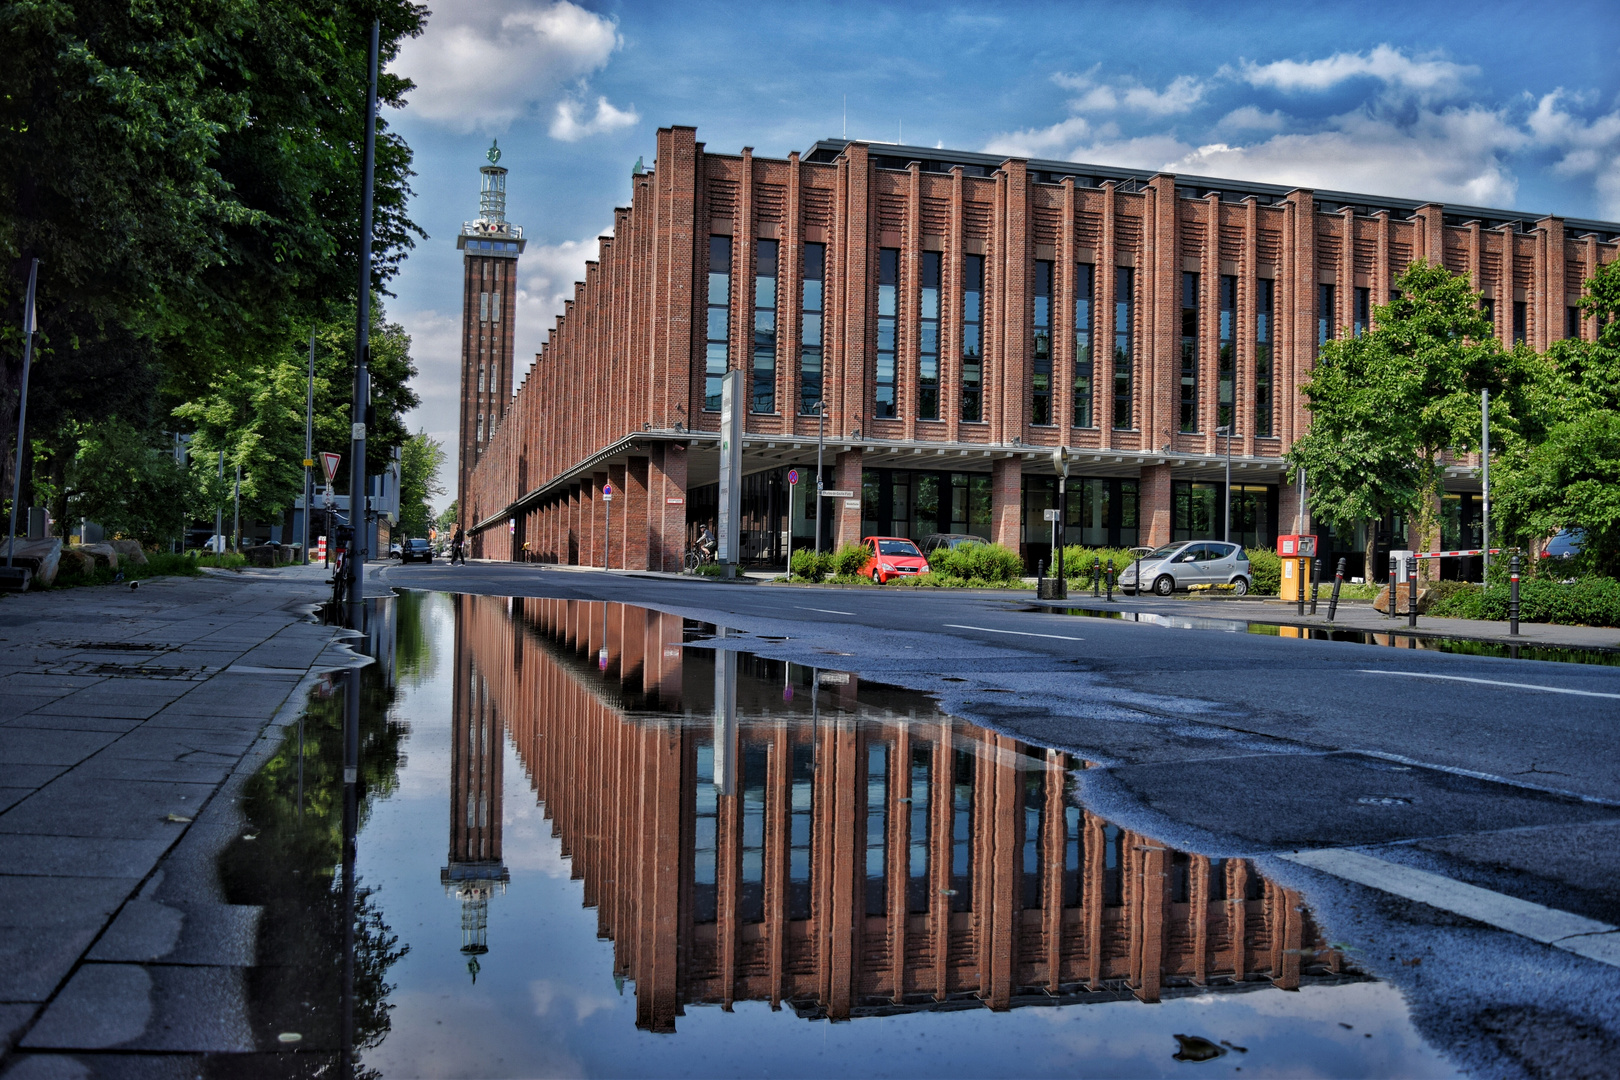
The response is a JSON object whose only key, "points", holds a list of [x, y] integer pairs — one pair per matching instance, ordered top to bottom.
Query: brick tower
{"points": [[490, 247]]}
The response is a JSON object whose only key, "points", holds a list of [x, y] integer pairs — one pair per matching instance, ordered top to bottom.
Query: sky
{"points": [[1506, 105]]}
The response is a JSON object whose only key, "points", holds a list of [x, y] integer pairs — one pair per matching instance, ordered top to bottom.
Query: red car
{"points": [[891, 557]]}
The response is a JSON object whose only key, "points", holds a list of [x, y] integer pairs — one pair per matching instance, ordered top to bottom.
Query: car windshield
{"points": [[416, 544], [897, 547], [1162, 553]]}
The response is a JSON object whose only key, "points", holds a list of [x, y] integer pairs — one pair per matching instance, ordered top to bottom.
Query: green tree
{"points": [[1385, 406], [421, 459], [1559, 465], [130, 484], [446, 521]]}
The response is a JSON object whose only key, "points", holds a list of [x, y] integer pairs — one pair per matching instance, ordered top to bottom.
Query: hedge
{"points": [[988, 564], [1589, 601]]}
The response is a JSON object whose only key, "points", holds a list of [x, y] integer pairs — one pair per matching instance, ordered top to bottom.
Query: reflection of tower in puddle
{"points": [[475, 871]]}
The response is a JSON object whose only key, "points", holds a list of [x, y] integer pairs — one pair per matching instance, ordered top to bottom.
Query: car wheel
{"points": [[877, 577], [1165, 585], [1240, 586]]}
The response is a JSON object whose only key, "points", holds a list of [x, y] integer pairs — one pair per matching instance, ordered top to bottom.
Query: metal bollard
{"points": [[1096, 575], [1316, 575], [1040, 576], [1139, 577], [1110, 581], [1338, 582], [1299, 587], [1394, 588], [1411, 591], [1513, 596]]}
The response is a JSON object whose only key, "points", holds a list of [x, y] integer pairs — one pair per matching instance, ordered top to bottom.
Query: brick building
{"points": [[957, 317], [841, 849]]}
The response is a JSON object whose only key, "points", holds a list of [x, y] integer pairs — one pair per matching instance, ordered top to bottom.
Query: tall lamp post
{"points": [[362, 344], [22, 404], [1226, 429], [821, 442], [1060, 463]]}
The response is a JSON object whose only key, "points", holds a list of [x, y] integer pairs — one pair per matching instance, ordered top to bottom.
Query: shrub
{"points": [[848, 560], [1077, 561], [980, 564], [808, 565], [1265, 571], [934, 580], [1455, 599], [1588, 601]]}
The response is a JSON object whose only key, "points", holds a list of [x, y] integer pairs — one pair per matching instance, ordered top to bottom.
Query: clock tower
{"points": [[490, 247]]}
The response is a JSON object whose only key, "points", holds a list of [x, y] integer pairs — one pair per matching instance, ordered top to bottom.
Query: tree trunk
{"points": [[1369, 568]]}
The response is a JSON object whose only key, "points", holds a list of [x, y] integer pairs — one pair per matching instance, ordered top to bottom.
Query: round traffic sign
{"points": [[793, 476], [607, 489]]}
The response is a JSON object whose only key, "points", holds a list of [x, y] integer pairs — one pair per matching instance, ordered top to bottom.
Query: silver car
{"points": [[1189, 562]]}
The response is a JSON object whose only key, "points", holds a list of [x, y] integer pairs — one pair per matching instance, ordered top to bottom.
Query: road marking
{"points": [[826, 611], [1020, 633], [1489, 682], [1560, 929]]}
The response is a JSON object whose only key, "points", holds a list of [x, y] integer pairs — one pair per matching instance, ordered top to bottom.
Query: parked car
{"points": [[950, 541], [1564, 544], [417, 547], [395, 551], [891, 557], [1196, 562]]}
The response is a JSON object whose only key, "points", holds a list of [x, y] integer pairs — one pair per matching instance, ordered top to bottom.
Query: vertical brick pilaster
{"points": [[853, 224], [1014, 268], [1160, 291], [1102, 350], [907, 352], [950, 354], [847, 477], [666, 481], [1007, 502], [1153, 507], [637, 514], [613, 537]]}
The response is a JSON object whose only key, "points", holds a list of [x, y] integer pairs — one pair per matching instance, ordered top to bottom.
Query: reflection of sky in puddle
{"points": [[546, 1002]]}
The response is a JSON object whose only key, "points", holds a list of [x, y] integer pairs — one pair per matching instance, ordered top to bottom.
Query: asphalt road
{"points": [[1428, 804]]}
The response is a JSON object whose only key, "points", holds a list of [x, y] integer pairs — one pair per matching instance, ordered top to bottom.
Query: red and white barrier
{"points": [[1448, 554]]}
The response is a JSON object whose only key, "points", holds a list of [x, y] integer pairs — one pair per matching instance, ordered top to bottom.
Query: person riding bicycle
{"points": [[706, 543]]}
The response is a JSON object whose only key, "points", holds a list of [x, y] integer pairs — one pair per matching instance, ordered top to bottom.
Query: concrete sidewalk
{"points": [[127, 722]]}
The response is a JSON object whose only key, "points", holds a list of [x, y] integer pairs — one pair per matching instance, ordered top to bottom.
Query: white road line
{"points": [[826, 611], [1020, 633], [1489, 682], [1560, 929]]}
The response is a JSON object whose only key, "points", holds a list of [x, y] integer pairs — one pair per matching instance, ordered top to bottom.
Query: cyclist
{"points": [[706, 543]]}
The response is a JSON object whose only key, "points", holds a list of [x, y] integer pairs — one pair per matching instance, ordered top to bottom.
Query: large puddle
{"points": [[591, 839]]}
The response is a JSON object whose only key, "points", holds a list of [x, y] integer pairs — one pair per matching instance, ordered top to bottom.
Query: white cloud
{"points": [[1389, 65], [480, 66], [1183, 93], [1250, 118], [568, 126], [1053, 141], [1588, 147], [549, 995]]}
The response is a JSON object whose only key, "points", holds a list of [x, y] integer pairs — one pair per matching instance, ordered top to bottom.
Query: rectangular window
{"points": [[815, 258], [1083, 276], [1264, 287], [888, 292], [1124, 306], [1488, 306], [483, 307], [494, 307], [1363, 313], [1324, 315], [1520, 321], [1572, 322], [765, 326], [718, 334], [972, 337], [928, 338], [1189, 352], [1226, 362], [480, 378], [1041, 398], [1195, 510], [962, 769], [1034, 819], [877, 828], [801, 829], [705, 839], [1074, 856], [1113, 866], [751, 886], [917, 890]]}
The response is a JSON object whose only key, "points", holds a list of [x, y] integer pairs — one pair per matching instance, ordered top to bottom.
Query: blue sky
{"points": [[1513, 105]]}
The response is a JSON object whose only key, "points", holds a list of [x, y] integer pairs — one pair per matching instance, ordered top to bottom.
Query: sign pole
{"points": [[362, 341], [22, 404], [731, 407], [821, 440], [309, 447], [1485, 469], [793, 485], [607, 540]]}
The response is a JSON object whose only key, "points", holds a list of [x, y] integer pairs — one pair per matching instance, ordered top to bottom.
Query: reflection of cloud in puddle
{"points": [[528, 843], [548, 994]]}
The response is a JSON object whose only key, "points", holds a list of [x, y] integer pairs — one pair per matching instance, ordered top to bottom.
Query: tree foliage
{"points": [[1385, 405], [421, 460]]}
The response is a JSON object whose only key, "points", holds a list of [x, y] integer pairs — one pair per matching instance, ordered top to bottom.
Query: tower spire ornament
{"points": [[494, 152]]}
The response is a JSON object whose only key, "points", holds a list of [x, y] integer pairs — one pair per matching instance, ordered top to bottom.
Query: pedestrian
{"points": [[457, 550]]}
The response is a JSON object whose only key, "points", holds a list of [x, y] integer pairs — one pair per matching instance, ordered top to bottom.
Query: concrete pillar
{"points": [[847, 477], [1007, 502], [1153, 506], [637, 515], [666, 519]]}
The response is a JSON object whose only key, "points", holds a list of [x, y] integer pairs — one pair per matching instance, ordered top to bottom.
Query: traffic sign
{"points": [[329, 462], [793, 476], [607, 492], [1051, 515]]}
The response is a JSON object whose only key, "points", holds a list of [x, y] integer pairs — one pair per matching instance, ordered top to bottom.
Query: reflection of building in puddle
{"points": [[754, 830], [475, 871]]}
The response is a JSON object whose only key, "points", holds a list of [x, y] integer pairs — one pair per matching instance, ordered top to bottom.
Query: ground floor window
{"points": [[915, 503], [1198, 509], [1098, 512]]}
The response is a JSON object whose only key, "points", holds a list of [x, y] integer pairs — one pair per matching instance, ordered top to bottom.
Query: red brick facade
{"points": [[621, 378]]}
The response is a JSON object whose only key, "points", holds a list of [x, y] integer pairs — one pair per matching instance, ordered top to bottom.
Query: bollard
{"points": [[1096, 575], [1040, 576], [1316, 576], [1139, 577], [1110, 581], [1338, 581], [1299, 588], [1394, 589], [1411, 591], [1513, 596]]}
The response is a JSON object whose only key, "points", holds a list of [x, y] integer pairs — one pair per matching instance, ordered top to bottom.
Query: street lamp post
{"points": [[1226, 429], [821, 442], [1060, 463]]}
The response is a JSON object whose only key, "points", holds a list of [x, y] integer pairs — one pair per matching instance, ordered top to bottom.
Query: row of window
{"points": [[1119, 372]]}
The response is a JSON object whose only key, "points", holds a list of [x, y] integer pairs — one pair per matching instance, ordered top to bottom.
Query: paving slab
{"points": [[56, 722], [31, 746], [79, 805], [80, 856], [46, 924], [207, 934]]}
